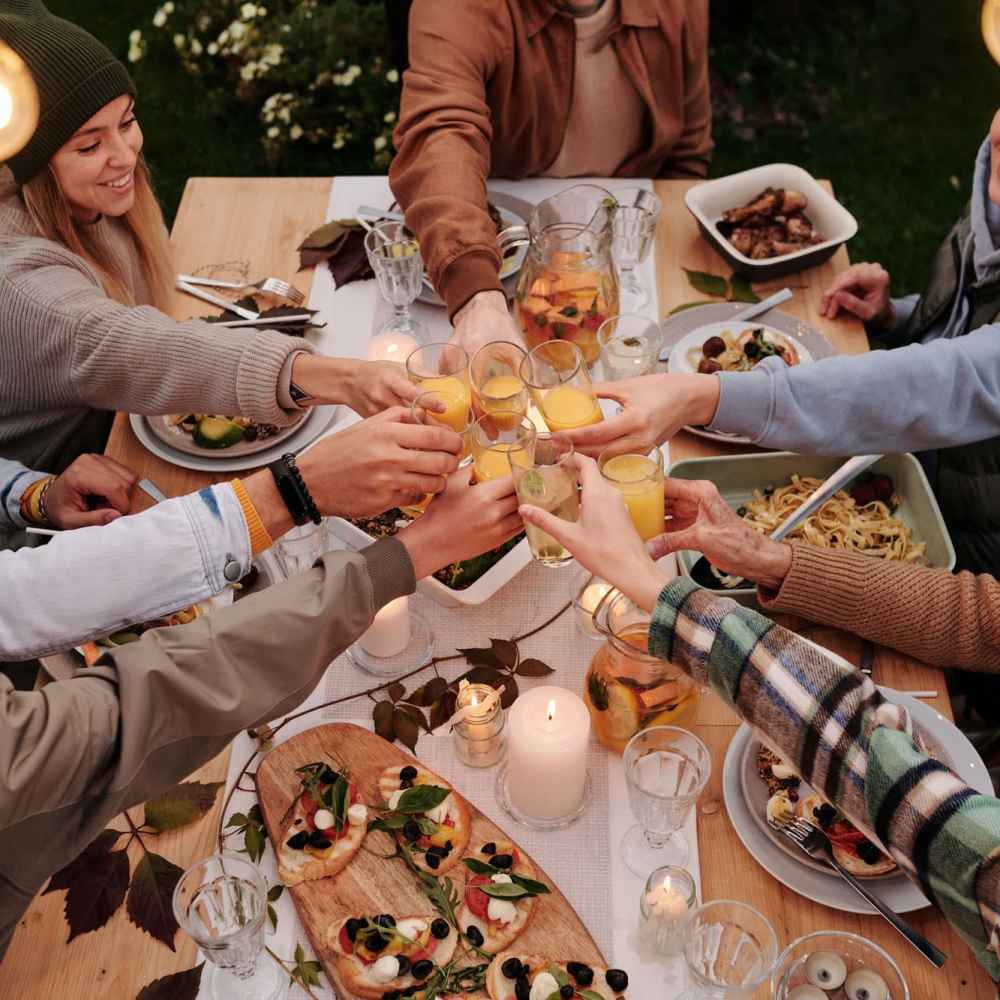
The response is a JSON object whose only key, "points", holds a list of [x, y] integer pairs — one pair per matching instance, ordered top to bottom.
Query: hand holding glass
{"points": [[556, 375], [551, 484]]}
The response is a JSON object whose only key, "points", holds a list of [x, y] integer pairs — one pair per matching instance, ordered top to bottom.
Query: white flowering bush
{"points": [[314, 73]]}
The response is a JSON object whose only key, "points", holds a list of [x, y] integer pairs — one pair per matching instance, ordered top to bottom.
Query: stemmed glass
{"points": [[635, 222], [395, 258], [630, 346], [299, 548], [666, 770], [221, 902], [730, 950]]}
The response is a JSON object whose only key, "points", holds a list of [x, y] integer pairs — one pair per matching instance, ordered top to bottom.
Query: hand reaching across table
{"points": [[863, 291], [483, 319], [367, 387], [94, 489]]}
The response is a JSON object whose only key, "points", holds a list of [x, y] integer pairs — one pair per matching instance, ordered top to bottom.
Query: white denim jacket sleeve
{"points": [[14, 480], [91, 581]]}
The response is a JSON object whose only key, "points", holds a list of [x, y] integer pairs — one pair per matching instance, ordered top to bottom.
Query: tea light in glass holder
{"points": [[591, 593], [480, 739], [670, 894]]}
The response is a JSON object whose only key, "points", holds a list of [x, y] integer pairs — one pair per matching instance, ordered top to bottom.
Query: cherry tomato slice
{"points": [[476, 899], [345, 942]]}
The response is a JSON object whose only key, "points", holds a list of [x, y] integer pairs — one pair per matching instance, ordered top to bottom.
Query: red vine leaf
{"points": [[506, 652], [482, 657], [534, 668], [486, 675], [395, 691], [430, 692], [510, 692], [443, 710], [413, 713], [382, 715], [407, 730], [181, 805], [101, 844], [95, 885], [149, 904], [177, 986]]}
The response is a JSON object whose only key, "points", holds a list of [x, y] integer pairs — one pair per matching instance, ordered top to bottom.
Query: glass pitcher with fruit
{"points": [[568, 284], [626, 689]]}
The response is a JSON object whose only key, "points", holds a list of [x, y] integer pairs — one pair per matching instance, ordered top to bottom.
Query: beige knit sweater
{"points": [[66, 349], [949, 620]]}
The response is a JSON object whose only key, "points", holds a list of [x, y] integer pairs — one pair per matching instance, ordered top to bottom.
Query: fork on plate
{"points": [[270, 286], [815, 843]]}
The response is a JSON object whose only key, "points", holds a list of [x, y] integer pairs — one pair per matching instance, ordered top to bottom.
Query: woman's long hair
{"points": [[53, 217]]}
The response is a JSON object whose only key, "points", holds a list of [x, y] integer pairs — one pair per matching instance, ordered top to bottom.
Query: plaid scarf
{"points": [[851, 745]]}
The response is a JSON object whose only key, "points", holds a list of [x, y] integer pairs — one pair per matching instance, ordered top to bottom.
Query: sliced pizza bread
{"points": [[851, 849], [512, 976]]}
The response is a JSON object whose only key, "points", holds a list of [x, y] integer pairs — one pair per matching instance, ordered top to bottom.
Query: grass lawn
{"points": [[888, 100]]}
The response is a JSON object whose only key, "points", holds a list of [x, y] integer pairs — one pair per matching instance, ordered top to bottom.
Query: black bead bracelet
{"points": [[293, 490]]}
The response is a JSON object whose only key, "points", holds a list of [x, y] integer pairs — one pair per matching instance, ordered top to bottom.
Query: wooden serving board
{"points": [[370, 884]]}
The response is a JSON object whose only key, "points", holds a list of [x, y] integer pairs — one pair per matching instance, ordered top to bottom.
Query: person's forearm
{"points": [[325, 379], [909, 399], [14, 480], [940, 618], [846, 740]]}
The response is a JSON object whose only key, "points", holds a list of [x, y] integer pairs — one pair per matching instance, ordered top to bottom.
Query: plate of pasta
{"points": [[734, 347]]}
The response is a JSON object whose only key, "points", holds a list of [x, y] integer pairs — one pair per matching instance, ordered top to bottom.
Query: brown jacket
{"points": [[488, 93], [76, 753]]}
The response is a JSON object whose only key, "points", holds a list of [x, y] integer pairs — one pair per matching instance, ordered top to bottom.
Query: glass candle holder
{"points": [[556, 374], [592, 591], [480, 737], [669, 895]]}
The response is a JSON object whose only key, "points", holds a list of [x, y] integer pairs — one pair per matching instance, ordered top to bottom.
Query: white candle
{"points": [[391, 347], [389, 633], [547, 761], [665, 902]]}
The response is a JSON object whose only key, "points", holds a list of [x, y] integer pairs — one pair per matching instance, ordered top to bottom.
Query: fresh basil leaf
{"points": [[420, 798], [339, 810], [388, 823], [427, 826], [479, 867], [533, 887], [505, 890], [558, 975], [590, 995]]}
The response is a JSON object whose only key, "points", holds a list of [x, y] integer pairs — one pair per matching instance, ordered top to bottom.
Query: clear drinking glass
{"points": [[634, 226], [399, 269], [630, 346], [442, 367], [556, 375], [496, 382], [455, 416], [500, 441], [639, 479], [550, 484], [299, 548], [666, 770], [221, 902], [730, 950]]}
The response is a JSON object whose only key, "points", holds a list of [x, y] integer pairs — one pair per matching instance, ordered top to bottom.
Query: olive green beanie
{"points": [[75, 74]]}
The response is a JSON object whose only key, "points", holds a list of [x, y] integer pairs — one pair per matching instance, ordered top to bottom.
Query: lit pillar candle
{"points": [[391, 347], [389, 633], [547, 755]]}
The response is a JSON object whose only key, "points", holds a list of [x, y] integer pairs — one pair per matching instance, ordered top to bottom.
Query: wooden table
{"points": [[220, 219]]}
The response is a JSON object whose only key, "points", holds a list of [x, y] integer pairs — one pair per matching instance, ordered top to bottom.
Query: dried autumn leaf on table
{"points": [[342, 244], [707, 284], [506, 652], [482, 656], [534, 668], [510, 692], [429, 693], [444, 709], [383, 715], [407, 731], [181, 805], [150, 897], [177, 986]]}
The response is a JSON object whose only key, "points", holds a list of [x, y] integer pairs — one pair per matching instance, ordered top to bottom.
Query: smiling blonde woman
{"points": [[86, 274]]}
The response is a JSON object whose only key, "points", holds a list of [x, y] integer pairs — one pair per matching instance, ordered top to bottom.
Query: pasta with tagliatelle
{"points": [[839, 524]]}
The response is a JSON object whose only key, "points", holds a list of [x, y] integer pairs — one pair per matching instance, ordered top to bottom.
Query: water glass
{"points": [[635, 222], [395, 258], [630, 346], [556, 375], [496, 384], [501, 441], [639, 479], [550, 484], [299, 548], [666, 770], [221, 902], [729, 949]]}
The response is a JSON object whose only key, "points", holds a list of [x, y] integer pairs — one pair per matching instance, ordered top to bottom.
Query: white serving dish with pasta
{"points": [[913, 531]]}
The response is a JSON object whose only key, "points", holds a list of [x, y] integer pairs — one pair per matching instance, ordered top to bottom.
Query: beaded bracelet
{"points": [[294, 491]]}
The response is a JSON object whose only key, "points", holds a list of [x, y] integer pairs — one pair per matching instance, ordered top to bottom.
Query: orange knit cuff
{"points": [[31, 508], [260, 539]]}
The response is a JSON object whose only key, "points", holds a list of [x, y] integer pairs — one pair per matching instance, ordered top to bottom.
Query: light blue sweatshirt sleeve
{"points": [[910, 399], [14, 480]]}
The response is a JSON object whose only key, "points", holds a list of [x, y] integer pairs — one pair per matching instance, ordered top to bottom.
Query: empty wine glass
{"points": [[635, 222], [399, 270], [666, 769], [221, 902], [730, 950]]}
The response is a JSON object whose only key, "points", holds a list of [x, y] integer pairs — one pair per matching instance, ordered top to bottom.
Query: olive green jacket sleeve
{"points": [[76, 753]]}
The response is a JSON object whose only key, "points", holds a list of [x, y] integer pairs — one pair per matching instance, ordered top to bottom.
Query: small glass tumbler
{"points": [[636, 216], [395, 258], [630, 346], [556, 374], [496, 382], [499, 441], [639, 479], [299, 548], [481, 737], [666, 770], [667, 899], [221, 902], [729, 949]]}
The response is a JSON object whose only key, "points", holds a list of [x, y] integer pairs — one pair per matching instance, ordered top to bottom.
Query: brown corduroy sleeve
{"points": [[949, 620]]}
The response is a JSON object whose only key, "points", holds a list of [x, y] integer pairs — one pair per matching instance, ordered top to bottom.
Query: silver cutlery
{"points": [[270, 286], [216, 300], [268, 321], [151, 489], [816, 845]]}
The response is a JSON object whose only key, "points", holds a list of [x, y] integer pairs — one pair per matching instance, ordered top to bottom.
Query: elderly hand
{"points": [[863, 291], [483, 319], [656, 407], [95, 489], [701, 520], [604, 540]]}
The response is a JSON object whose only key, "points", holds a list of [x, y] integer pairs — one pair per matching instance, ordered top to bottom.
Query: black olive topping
{"points": [[408, 773], [329, 776], [405, 784], [411, 830], [298, 840], [319, 840], [489, 848], [441, 852], [869, 853], [433, 860], [502, 861], [385, 920], [353, 926], [440, 928], [475, 935], [377, 943], [404, 965], [512, 968], [422, 969], [583, 974], [617, 980], [522, 989], [566, 992]]}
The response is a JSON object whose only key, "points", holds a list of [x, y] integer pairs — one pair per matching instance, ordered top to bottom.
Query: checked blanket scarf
{"points": [[852, 745]]}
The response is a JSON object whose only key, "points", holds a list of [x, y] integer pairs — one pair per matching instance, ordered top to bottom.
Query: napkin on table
{"points": [[341, 243]]}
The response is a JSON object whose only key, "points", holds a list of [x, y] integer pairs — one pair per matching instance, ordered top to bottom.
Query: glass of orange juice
{"points": [[443, 367], [556, 374], [496, 382], [425, 410], [499, 441], [639, 478]]}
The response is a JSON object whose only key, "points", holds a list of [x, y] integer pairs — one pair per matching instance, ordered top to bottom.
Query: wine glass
{"points": [[635, 222], [399, 270], [630, 346], [666, 770], [221, 902], [729, 949]]}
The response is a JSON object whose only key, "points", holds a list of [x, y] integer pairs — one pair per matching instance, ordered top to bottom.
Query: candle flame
{"points": [[475, 699], [552, 709], [666, 884]]}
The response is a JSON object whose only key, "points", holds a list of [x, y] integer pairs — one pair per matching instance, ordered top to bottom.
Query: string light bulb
{"points": [[990, 25], [18, 103]]}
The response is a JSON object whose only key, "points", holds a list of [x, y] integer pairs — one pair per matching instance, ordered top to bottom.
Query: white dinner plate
{"points": [[680, 357], [319, 418], [827, 887]]}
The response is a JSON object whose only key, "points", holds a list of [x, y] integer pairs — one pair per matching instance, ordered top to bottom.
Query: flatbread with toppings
{"points": [[427, 815], [323, 828], [851, 848], [500, 894], [379, 955], [531, 977]]}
